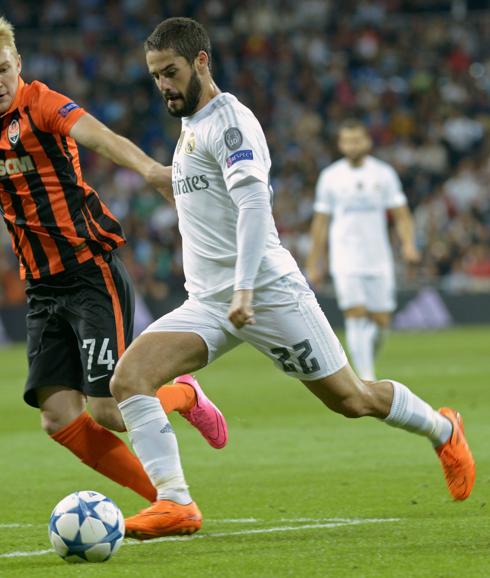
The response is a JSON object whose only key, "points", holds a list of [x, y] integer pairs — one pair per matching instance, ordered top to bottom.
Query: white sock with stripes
{"points": [[411, 413], [155, 444]]}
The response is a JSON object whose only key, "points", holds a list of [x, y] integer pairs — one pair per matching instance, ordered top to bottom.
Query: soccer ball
{"points": [[86, 527]]}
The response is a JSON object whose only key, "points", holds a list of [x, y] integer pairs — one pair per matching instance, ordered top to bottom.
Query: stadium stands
{"points": [[421, 82]]}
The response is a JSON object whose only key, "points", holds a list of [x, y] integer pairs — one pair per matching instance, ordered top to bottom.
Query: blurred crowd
{"points": [[420, 82]]}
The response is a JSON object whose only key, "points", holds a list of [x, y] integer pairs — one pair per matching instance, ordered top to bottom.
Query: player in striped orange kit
{"points": [[80, 297]]}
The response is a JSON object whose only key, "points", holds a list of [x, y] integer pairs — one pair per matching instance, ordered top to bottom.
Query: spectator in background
{"points": [[419, 82]]}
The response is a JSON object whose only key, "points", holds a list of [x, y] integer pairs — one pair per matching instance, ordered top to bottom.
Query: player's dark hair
{"points": [[184, 35], [352, 124]]}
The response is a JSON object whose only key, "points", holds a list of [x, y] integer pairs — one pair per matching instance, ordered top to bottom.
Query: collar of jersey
{"points": [[17, 98], [206, 110]]}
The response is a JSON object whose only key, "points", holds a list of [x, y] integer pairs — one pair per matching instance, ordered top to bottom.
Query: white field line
{"points": [[208, 520], [234, 520], [212, 521], [263, 521], [332, 524], [2, 526]]}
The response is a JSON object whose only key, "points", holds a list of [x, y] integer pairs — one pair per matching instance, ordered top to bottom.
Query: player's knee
{"points": [[383, 320], [137, 373], [125, 381], [116, 385], [52, 422]]}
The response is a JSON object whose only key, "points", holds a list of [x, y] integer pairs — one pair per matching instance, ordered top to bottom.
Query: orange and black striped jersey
{"points": [[55, 219]]}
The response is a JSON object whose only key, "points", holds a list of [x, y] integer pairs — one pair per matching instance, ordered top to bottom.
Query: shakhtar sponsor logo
{"points": [[16, 166]]}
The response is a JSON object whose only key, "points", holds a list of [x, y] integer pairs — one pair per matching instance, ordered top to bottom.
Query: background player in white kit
{"points": [[352, 196], [243, 286]]}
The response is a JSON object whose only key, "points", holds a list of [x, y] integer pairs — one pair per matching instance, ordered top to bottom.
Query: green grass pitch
{"points": [[298, 492]]}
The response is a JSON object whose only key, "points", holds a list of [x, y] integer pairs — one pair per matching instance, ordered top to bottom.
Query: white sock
{"points": [[360, 336], [411, 413], [155, 444]]}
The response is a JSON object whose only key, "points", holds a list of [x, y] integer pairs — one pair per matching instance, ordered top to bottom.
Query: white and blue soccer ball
{"points": [[86, 527]]}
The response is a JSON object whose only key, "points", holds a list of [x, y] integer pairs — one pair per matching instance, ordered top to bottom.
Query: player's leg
{"points": [[381, 302], [57, 309], [381, 322], [359, 331], [360, 335], [179, 343], [311, 352], [54, 358], [154, 358], [54, 377], [54, 383], [393, 402], [59, 406], [64, 418]]}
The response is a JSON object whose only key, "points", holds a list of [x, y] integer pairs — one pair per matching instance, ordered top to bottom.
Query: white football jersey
{"points": [[220, 147], [356, 198]]}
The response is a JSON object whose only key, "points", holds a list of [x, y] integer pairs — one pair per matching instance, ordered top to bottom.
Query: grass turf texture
{"points": [[290, 467]]}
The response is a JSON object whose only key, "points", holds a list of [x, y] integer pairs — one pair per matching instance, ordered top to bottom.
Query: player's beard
{"points": [[190, 98]]}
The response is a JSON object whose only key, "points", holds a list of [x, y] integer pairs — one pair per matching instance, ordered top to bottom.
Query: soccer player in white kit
{"points": [[352, 196], [243, 286]]}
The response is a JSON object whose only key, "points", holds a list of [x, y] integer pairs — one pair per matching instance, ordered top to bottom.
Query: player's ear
{"points": [[202, 61], [19, 63]]}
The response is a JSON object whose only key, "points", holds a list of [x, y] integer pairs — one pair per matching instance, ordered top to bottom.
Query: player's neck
{"points": [[209, 91], [357, 163]]}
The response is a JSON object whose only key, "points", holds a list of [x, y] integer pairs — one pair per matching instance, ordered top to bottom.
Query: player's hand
{"points": [[160, 178], [411, 254], [241, 312]]}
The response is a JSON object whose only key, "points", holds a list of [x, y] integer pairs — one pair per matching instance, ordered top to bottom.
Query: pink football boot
{"points": [[205, 416]]}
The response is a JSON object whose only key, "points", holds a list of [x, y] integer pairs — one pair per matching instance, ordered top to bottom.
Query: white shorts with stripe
{"points": [[374, 292], [291, 329]]}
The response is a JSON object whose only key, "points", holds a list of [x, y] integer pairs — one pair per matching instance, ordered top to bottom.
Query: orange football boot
{"points": [[456, 459], [164, 518]]}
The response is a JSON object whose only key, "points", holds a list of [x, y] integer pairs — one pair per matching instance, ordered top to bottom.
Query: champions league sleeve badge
{"points": [[13, 132], [233, 138]]}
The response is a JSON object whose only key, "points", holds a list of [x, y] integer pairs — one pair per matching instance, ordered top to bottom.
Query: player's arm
{"points": [[94, 135], [253, 200], [406, 234], [316, 261]]}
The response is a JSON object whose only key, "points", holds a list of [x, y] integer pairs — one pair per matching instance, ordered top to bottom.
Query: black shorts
{"points": [[79, 323]]}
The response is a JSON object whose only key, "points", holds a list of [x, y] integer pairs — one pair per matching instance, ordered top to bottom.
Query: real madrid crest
{"points": [[13, 132], [187, 142], [190, 144]]}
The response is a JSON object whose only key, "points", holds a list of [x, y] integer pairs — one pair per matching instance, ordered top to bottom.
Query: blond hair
{"points": [[7, 35]]}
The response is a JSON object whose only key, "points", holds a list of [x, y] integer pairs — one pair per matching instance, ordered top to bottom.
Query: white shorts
{"points": [[374, 292], [290, 328]]}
